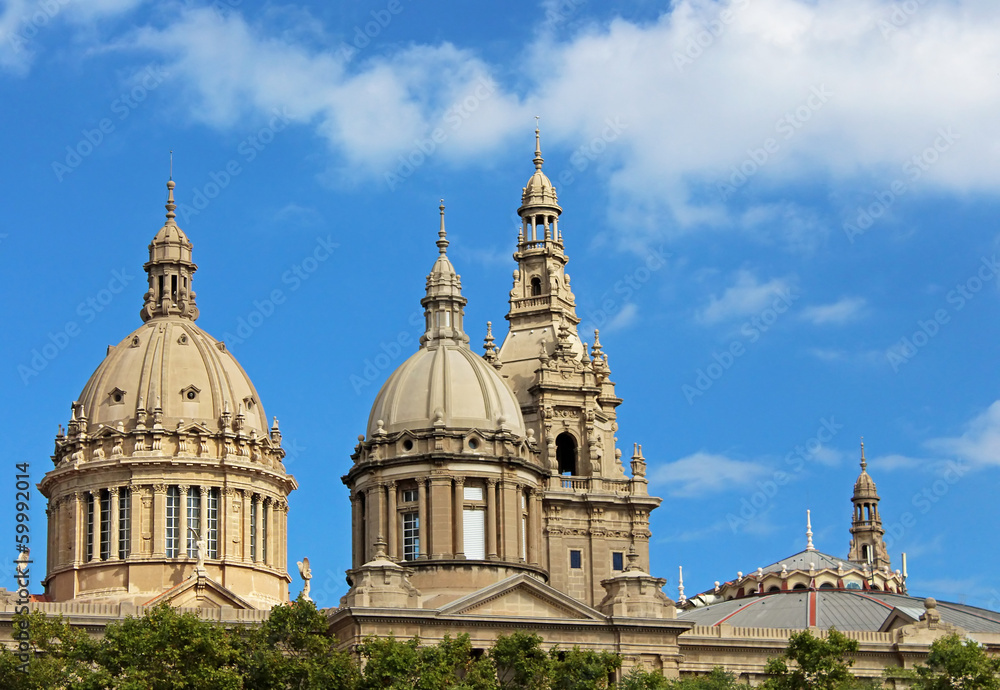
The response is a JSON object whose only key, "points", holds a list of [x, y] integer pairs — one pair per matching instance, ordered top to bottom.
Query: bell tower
{"points": [[594, 512], [867, 545]]}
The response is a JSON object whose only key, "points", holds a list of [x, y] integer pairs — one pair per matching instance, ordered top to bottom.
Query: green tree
{"points": [[293, 649], [165, 650], [58, 652], [521, 662], [816, 663], [392, 664], [953, 664], [582, 669]]}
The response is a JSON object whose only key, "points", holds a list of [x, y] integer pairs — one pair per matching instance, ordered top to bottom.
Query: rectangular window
{"points": [[472, 493], [409, 495], [173, 521], [124, 522], [193, 522], [105, 524], [90, 527], [253, 529], [474, 532], [411, 536], [212, 538], [575, 558], [618, 560]]}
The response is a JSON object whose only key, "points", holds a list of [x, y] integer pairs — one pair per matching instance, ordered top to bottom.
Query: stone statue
{"points": [[201, 549], [306, 572]]}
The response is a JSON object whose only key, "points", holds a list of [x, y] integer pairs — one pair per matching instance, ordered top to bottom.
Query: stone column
{"points": [[247, 500], [50, 515], [422, 516], [459, 517], [157, 518], [373, 518], [491, 518], [510, 520], [182, 521], [113, 522], [228, 522], [391, 522], [95, 524], [440, 526], [259, 527], [522, 527], [534, 528], [357, 534], [267, 535]]}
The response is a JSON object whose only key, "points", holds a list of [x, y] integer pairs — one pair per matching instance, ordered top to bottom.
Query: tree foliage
{"points": [[813, 663], [953, 664]]}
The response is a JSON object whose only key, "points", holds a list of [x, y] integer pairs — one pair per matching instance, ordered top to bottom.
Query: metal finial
{"points": [[538, 147], [171, 165], [442, 242], [864, 463], [809, 532]]}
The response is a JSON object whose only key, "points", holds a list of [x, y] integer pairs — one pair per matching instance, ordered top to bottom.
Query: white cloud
{"points": [[24, 25], [839, 96], [746, 297], [842, 311], [624, 318], [979, 445], [891, 462], [703, 473]]}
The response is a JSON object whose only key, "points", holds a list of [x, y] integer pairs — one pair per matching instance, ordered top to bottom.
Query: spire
{"points": [[538, 160], [442, 242], [170, 269], [443, 304], [491, 349], [864, 463], [809, 532], [680, 585]]}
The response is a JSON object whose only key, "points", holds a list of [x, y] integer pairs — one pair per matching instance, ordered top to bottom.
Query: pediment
{"points": [[200, 592], [521, 596], [897, 619]]}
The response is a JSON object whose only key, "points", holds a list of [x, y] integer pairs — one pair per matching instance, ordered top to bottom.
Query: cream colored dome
{"points": [[171, 363], [445, 384], [448, 385]]}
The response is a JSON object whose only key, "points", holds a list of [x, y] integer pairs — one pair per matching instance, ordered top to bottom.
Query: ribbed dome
{"points": [[172, 363], [447, 384], [865, 485]]}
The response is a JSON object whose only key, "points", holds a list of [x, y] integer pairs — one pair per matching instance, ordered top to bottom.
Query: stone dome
{"points": [[170, 363], [446, 385]]}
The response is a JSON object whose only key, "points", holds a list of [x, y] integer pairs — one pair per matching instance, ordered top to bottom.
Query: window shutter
{"points": [[474, 530]]}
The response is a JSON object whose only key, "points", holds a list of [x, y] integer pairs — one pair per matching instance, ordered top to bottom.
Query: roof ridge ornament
{"points": [[864, 463], [809, 532]]}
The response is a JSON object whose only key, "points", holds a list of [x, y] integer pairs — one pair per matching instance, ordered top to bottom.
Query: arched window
{"points": [[536, 286], [566, 453], [866, 553], [826, 585], [800, 586], [773, 589]]}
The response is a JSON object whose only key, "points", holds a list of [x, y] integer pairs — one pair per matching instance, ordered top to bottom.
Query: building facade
{"points": [[488, 493]]}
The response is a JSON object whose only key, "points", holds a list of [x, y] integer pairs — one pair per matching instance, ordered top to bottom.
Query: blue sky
{"points": [[781, 214]]}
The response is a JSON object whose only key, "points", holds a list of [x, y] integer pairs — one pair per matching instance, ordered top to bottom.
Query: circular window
{"points": [[191, 395], [117, 397], [473, 443], [407, 444]]}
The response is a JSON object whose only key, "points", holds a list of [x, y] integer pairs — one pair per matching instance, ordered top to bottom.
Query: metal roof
{"points": [[842, 609]]}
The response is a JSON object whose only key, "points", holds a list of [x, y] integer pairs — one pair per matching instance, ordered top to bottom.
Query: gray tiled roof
{"points": [[843, 609]]}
